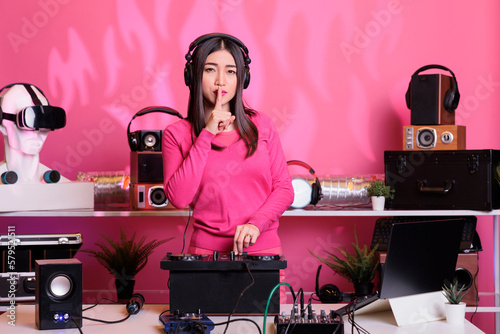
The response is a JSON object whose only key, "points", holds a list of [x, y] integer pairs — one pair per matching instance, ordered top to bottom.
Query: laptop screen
{"points": [[420, 256]]}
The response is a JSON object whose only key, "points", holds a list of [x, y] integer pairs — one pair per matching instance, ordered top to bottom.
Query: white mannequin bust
{"points": [[22, 147]]}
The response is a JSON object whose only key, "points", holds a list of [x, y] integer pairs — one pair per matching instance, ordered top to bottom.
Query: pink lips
{"points": [[222, 93]]}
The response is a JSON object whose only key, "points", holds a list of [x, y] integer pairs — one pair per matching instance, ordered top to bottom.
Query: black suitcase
{"points": [[447, 180], [19, 253]]}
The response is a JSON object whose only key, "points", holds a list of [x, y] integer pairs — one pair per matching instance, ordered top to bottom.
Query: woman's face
{"points": [[219, 71]]}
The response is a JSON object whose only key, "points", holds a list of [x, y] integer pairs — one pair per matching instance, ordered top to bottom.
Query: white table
{"points": [[146, 321]]}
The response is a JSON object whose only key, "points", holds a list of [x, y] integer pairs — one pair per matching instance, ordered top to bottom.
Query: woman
{"points": [[224, 159]]}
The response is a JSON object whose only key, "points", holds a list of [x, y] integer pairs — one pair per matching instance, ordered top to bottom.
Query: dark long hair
{"points": [[196, 111]]}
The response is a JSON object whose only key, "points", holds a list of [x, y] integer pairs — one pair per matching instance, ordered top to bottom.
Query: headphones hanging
{"points": [[188, 71], [452, 95], [133, 140], [316, 191], [330, 294]]}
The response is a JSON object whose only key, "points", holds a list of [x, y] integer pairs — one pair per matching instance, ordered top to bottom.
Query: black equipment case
{"points": [[447, 180], [19, 253]]}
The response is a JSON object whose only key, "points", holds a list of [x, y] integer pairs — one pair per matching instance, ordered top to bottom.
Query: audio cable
{"points": [[239, 298], [133, 306]]}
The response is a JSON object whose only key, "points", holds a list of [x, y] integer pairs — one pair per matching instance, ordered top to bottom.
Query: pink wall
{"points": [[332, 74]]}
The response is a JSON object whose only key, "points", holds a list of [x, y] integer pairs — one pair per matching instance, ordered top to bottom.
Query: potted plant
{"points": [[378, 191], [124, 259], [359, 267], [454, 308]]}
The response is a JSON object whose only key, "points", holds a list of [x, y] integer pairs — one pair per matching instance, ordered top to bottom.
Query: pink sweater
{"points": [[224, 188]]}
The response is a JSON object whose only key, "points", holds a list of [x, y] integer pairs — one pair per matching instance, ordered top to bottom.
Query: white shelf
{"points": [[289, 213]]}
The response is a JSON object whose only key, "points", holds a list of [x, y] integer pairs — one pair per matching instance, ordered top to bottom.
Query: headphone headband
{"points": [[188, 72], [452, 96], [148, 110], [132, 139], [302, 164], [316, 193]]}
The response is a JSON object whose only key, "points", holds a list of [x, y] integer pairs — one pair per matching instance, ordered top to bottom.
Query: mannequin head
{"points": [[21, 141]]}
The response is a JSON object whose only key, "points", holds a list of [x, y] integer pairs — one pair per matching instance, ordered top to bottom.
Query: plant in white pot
{"points": [[378, 191], [455, 307]]}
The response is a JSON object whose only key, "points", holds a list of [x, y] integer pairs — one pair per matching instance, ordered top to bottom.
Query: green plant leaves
{"points": [[126, 258], [359, 266]]}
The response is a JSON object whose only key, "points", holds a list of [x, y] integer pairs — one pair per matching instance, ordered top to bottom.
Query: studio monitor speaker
{"points": [[428, 100], [465, 273], [58, 294]]}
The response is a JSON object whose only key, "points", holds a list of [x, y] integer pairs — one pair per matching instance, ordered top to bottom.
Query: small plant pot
{"points": [[378, 203], [124, 289], [363, 289], [455, 313]]}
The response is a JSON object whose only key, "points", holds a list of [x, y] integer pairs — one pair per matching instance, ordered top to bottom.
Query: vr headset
{"points": [[37, 117]]}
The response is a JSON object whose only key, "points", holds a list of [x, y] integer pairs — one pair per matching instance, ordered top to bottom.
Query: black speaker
{"points": [[432, 98], [146, 167], [58, 294]]}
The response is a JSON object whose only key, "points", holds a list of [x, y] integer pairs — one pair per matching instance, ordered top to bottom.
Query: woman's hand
{"points": [[219, 120], [245, 235]]}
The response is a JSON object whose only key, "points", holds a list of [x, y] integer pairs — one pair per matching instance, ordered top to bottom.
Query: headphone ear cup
{"points": [[188, 74], [246, 78], [408, 96], [448, 100], [132, 141], [316, 192], [330, 294]]}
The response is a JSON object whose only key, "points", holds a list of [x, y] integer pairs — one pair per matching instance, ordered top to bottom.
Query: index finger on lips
{"points": [[218, 100]]}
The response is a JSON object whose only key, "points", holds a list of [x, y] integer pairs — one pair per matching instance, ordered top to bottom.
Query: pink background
{"points": [[332, 74]]}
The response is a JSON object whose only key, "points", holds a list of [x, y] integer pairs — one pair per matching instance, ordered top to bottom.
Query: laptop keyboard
{"points": [[383, 226]]}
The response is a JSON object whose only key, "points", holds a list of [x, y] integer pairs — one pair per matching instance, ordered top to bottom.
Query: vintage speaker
{"points": [[428, 102], [434, 137], [146, 167], [149, 196], [466, 273], [58, 293]]}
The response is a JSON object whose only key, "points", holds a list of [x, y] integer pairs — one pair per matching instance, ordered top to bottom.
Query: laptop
{"points": [[420, 256]]}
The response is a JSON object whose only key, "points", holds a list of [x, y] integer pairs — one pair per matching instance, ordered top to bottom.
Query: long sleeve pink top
{"points": [[224, 188]]}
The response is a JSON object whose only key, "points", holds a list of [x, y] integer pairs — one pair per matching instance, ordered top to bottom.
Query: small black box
{"points": [[455, 180]]}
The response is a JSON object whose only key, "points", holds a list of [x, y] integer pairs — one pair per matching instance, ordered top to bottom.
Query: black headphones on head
{"points": [[188, 71], [452, 95], [133, 141], [316, 193], [330, 294]]}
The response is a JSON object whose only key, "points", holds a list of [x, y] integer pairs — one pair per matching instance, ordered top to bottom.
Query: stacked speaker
{"points": [[433, 99], [146, 165]]}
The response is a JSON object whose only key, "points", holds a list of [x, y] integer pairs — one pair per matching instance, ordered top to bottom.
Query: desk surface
{"points": [[146, 321]]}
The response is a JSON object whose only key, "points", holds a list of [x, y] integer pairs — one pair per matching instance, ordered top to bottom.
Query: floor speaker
{"points": [[58, 293]]}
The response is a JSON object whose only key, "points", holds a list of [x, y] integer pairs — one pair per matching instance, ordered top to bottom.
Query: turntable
{"points": [[214, 282]]}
